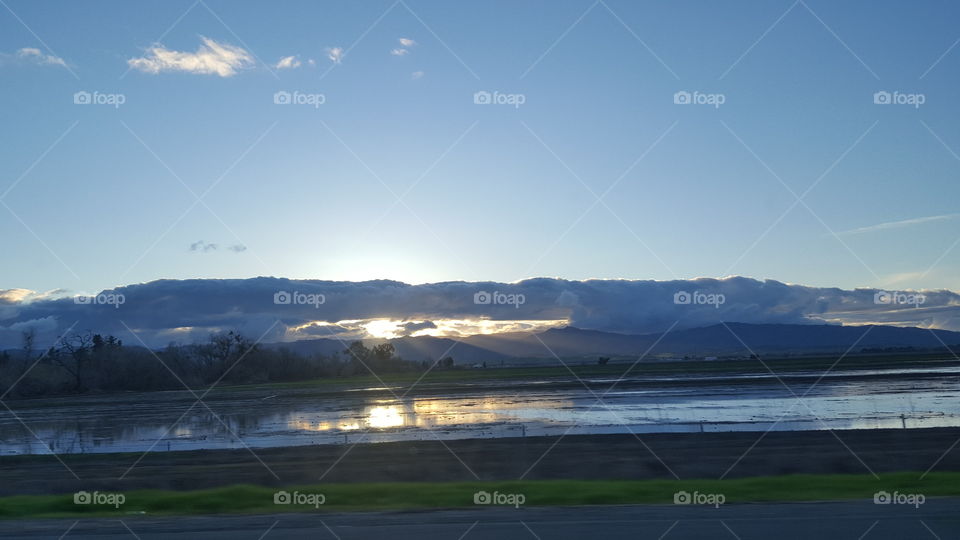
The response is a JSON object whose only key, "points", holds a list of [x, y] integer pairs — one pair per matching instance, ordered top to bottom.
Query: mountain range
{"points": [[715, 340]]}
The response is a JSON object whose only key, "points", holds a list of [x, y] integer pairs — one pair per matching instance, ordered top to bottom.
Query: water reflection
{"points": [[384, 417], [165, 421]]}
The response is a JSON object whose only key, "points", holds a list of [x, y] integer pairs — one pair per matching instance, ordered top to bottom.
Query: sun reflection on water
{"points": [[427, 413], [384, 417]]}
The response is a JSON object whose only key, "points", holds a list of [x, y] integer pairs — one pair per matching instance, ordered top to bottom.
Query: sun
{"points": [[382, 328]]}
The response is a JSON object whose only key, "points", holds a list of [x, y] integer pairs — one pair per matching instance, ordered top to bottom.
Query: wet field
{"points": [[264, 417]]}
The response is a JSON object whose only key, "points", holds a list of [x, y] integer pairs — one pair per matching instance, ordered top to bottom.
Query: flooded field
{"points": [[258, 417]]}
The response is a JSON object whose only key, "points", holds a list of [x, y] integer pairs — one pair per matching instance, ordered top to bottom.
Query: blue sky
{"points": [[95, 196]]}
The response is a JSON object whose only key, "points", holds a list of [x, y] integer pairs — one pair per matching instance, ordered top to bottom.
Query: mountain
{"points": [[740, 337], [715, 340]]}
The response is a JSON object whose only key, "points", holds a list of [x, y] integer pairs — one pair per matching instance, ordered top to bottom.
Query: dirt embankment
{"points": [[698, 455]]}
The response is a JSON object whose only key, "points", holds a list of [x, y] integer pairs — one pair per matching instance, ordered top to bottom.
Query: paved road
{"points": [[938, 518]]}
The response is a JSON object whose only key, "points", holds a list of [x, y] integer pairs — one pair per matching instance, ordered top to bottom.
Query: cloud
{"points": [[405, 43], [335, 54], [30, 55], [211, 58], [288, 62], [416, 75], [899, 224], [202, 246], [13, 296], [165, 310], [410, 328]]}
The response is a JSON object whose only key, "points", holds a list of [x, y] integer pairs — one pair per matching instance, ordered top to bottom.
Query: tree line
{"points": [[87, 363]]}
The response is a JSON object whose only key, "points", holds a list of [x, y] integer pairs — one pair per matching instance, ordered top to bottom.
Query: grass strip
{"points": [[432, 495]]}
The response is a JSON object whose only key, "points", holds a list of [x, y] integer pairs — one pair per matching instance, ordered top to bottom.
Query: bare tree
{"points": [[29, 338], [75, 357]]}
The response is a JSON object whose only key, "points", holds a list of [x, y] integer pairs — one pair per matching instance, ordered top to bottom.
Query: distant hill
{"points": [[733, 338]]}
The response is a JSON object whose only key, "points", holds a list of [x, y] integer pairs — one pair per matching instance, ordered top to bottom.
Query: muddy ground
{"points": [[696, 455]]}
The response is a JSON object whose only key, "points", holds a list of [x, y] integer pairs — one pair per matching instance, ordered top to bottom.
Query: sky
{"points": [[388, 163]]}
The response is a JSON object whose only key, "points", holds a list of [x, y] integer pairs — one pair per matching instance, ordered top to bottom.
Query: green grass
{"points": [[412, 496]]}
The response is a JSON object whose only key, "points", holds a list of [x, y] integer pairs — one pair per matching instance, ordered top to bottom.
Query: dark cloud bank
{"points": [[186, 310]]}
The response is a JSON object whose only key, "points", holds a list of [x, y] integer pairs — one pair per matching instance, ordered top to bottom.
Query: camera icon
{"points": [[82, 98], [282, 98], [482, 98], [682, 98], [882, 98], [282, 297], [882, 297], [482, 298], [682, 298], [83, 299], [82, 497], [282, 497], [482, 497], [682, 497], [882, 497]]}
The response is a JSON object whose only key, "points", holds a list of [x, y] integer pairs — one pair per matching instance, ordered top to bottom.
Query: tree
{"points": [[29, 337], [224, 351], [358, 352], [383, 352], [75, 357]]}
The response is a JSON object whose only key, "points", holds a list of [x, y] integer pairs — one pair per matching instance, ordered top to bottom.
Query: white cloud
{"points": [[405, 43], [335, 54], [30, 55], [35, 55], [211, 58], [288, 62], [416, 75], [11, 296]]}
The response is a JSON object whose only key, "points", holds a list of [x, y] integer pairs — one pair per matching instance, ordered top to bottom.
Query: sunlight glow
{"points": [[396, 328], [384, 417]]}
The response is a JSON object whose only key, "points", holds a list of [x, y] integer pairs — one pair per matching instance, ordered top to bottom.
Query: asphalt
{"points": [[938, 518]]}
